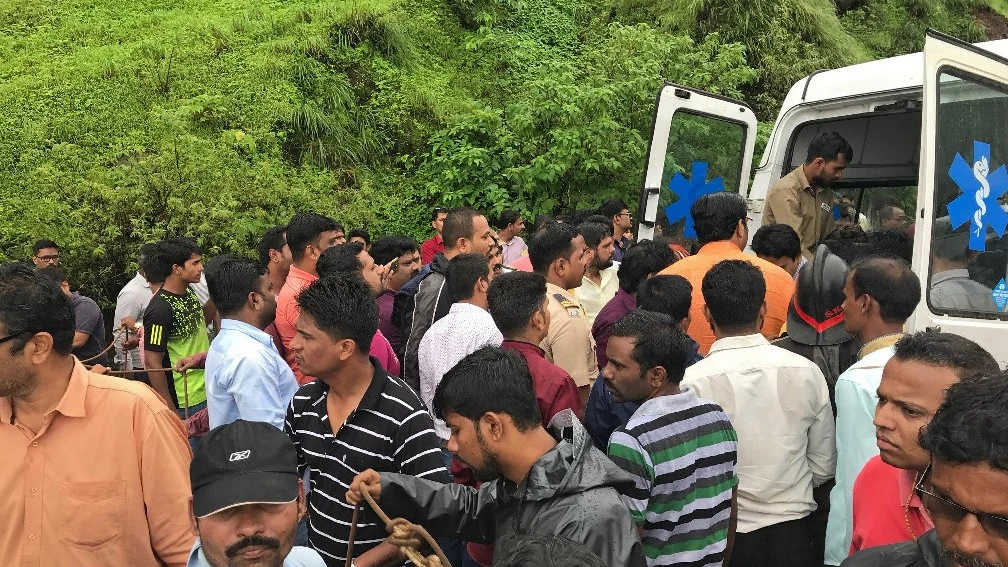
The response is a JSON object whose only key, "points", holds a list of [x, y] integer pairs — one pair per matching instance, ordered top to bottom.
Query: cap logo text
{"points": [[239, 456]]}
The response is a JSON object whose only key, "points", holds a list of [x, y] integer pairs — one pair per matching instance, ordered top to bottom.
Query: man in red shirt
{"points": [[435, 244], [913, 386]]}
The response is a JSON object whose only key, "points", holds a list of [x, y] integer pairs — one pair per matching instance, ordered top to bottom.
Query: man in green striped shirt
{"points": [[680, 449]]}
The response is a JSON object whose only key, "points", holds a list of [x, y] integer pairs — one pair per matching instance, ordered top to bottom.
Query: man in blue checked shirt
{"points": [[246, 378]]}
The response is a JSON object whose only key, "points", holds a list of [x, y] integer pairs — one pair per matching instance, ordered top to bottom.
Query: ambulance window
{"points": [[698, 139], [873, 208], [968, 258]]}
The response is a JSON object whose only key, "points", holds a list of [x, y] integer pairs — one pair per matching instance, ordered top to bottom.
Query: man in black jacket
{"points": [[420, 302], [539, 482], [965, 488]]}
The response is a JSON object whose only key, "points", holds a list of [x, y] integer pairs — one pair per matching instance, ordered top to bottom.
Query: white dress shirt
{"points": [[593, 297], [131, 302], [464, 330], [779, 404]]}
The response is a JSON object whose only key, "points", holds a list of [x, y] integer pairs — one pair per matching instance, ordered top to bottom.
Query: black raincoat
{"points": [[924, 552]]}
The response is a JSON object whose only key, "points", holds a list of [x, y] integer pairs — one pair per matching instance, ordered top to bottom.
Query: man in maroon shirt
{"points": [[434, 245]]}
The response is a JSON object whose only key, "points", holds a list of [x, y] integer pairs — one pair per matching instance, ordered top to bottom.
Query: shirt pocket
{"points": [[92, 513]]}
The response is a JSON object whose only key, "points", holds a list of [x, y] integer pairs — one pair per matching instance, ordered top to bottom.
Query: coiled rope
{"points": [[403, 535]]}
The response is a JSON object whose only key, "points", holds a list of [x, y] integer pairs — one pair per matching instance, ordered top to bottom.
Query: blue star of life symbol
{"points": [[981, 188], [688, 191]]}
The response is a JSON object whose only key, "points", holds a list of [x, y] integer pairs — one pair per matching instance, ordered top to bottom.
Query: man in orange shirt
{"points": [[720, 222], [96, 469]]}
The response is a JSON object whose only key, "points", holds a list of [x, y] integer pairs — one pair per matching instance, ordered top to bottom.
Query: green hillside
{"points": [[125, 120]]}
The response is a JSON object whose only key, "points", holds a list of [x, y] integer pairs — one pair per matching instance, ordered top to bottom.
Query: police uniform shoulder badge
{"points": [[573, 309]]}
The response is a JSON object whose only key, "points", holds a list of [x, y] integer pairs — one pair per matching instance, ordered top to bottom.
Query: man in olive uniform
{"points": [[803, 199], [558, 252]]}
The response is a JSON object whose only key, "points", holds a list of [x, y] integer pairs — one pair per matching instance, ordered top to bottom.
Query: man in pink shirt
{"points": [[308, 235], [913, 385]]}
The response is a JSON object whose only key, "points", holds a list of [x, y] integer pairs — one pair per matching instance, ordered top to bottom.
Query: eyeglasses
{"points": [[49, 258], [12, 337], [945, 509]]}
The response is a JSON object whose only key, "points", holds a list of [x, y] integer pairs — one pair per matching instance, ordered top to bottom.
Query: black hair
{"points": [[828, 145], [611, 208], [437, 211], [886, 211], [580, 216], [716, 216], [507, 218], [600, 219], [541, 221], [458, 224], [304, 229], [360, 233], [594, 233], [272, 239], [776, 241], [891, 242], [850, 243], [43, 244], [550, 244], [388, 248], [146, 250], [171, 252], [647, 257], [340, 259], [150, 263], [462, 273], [56, 274], [230, 280], [891, 282], [734, 291], [671, 295], [514, 298], [30, 302], [343, 306], [658, 341], [946, 350], [491, 379], [971, 426], [536, 550]]}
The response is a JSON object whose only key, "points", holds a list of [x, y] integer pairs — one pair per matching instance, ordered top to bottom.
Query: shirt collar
{"points": [[802, 180], [718, 248], [957, 273], [300, 277], [140, 280], [554, 288], [626, 300], [463, 307], [246, 329], [732, 343], [878, 344], [524, 347], [372, 396], [72, 402], [906, 481]]}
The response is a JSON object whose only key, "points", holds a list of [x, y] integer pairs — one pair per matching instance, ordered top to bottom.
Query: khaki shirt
{"points": [[808, 210], [569, 343]]}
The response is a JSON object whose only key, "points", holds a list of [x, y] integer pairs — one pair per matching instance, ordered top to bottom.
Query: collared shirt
{"points": [[808, 210], [620, 246], [430, 248], [513, 250], [523, 264], [780, 288], [953, 289], [594, 297], [131, 302], [386, 302], [617, 307], [287, 313], [464, 330], [569, 343], [246, 378], [555, 390], [856, 398], [780, 407], [389, 431], [105, 482], [884, 503], [298, 557]]}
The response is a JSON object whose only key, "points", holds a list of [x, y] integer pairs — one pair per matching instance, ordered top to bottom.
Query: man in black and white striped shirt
{"points": [[352, 418]]}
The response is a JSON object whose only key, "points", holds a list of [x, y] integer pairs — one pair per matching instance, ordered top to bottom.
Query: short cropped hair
{"points": [[828, 145], [611, 208], [716, 216], [507, 218], [458, 224], [304, 229], [360, 233], [594, 233], [272, 239], [776, 241], [43, 244], [550, 244], [388, 248], [171, 252], [647, 257], [340, 259], [462, 273], [230, 280], [892, 284], [734, 291], [671, 295], [514, 298], [30, 303], [343, 306], [658, 341], [946, 350], [491, 379], [971, 426]]}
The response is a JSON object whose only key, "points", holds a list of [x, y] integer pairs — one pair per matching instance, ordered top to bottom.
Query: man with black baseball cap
{"points": [[247, 499]]}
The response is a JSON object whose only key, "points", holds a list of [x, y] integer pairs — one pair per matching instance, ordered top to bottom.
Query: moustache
{"points": [[252, 541], [957, 557]]}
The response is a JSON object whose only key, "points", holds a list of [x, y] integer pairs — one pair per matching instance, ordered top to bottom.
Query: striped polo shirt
{"points": [[390, 431], [680, 449]]}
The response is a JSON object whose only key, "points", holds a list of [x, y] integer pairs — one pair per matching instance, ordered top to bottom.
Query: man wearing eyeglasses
{"points": [[616, 210], [45, 253], [922, 368], [965, 486]]}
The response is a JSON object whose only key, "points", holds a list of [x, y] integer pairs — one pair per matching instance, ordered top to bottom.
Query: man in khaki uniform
{"points": [[803, 199], [558, 252]]}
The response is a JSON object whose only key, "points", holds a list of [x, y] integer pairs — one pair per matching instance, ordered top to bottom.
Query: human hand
{"points": [[189, 362], [368, 480]]}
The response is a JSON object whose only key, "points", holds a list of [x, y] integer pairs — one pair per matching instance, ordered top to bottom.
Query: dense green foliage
{"points": [[126, 120]]}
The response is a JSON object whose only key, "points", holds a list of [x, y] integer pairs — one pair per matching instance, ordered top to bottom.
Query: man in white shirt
{"points": [[600, 282], [880, 294], [130, 305], [466, 328], [779, 404]]}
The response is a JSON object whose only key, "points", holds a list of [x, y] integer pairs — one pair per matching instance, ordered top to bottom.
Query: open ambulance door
{"points": [[700, 143], [960, 245]]}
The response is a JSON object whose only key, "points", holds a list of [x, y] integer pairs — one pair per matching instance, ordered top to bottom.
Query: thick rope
{"points": [[108, 348], [403, 535]]}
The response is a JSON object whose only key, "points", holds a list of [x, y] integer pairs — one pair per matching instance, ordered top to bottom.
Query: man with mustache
{"points": [[965, 486], [247, 499]]}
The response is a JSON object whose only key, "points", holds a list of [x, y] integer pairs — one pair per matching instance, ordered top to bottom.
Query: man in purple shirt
{"points": [[404, 253]]}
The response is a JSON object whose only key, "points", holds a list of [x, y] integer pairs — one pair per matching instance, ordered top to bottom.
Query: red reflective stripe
{"points": [[817, 326]]}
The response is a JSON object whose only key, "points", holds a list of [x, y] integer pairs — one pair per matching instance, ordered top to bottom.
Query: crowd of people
{"points": [[567, 398]]}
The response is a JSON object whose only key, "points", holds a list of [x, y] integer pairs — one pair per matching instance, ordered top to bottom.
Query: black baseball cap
{"points": [[243, 462]]}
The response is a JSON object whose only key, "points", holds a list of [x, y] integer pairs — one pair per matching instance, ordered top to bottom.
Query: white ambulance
{"points": [[930, 136]]}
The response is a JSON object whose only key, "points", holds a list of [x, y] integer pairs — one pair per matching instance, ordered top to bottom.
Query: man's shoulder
{"points": [[789, 182], [126, 393], [903, 554], [303, 557]]}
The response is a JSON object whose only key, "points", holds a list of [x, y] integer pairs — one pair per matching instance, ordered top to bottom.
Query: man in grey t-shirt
{"points": [[89, 332]]}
